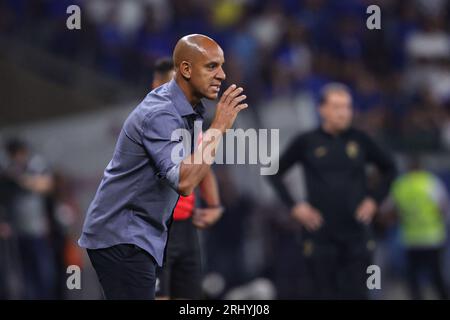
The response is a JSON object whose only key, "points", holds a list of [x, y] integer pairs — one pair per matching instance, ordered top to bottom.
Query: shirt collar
{"points": [[181, 103]]}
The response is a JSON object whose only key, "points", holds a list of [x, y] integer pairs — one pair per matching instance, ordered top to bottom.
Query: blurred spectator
{"points": [[428, 51], [31, 180], [421, 201], [336, 214], [64, 220], [10, 280]]}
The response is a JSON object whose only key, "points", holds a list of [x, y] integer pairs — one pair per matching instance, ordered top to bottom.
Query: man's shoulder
{"points": [[157, 101], [154, 105], [149, 110], [307, 135], [303, 139]]}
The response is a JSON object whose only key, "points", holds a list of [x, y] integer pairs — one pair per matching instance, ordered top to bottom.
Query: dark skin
{"points": [[198, 63]]}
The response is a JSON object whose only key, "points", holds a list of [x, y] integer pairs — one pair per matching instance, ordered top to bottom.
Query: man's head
{"points": [[198, 63], [163, 72], [335, 107], [17, 150], [414, 162]]}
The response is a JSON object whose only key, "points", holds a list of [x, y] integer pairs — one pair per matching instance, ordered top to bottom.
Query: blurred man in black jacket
{"points": [[339, 208]]}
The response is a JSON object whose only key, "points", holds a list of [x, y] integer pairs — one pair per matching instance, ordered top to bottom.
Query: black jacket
{"points": [[335, 174]]}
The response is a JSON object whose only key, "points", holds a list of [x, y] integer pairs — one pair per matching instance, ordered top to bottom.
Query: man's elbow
{"points": [[185, 188]]}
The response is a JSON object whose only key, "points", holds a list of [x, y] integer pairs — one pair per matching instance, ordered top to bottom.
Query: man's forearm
{"points": [[195, 167]]}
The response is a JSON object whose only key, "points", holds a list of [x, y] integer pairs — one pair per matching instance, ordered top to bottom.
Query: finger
{"points": [[227, 92], [236, 92], [233, 94], [238, 100], [241, 107], [200, 211], [206, 213], [316, 215], [204, 216], [197, 218], [319, 218], [205, 219], [312, 221], [207, 223], [319, 223], [309, 226], [314, 226]]}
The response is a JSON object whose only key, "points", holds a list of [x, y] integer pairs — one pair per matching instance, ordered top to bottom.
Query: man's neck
{"points": [[184, 86]]}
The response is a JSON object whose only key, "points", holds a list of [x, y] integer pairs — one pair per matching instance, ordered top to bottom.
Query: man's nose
{"points": [[221, 74]]}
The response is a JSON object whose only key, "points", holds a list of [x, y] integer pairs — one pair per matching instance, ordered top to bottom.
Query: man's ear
{"points": [[186, 69]]}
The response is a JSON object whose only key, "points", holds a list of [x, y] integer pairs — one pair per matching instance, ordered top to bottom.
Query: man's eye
{"points": [[212, 65]]}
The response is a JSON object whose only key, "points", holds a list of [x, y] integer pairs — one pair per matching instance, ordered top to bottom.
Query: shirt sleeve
{"points": [[163, 140], [290, 157], [384, 163]]}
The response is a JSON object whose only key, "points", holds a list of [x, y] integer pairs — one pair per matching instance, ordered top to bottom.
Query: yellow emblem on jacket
{"points": [[352, 149], [319, 152]]}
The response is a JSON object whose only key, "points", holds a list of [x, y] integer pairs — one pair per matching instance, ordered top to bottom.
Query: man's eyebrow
{"points": [[216, 62]]}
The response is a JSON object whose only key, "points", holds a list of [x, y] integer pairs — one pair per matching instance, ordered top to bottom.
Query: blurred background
{"points": [[64, 95]]}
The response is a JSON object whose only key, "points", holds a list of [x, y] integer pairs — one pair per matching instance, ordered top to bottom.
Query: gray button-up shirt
{"points": [[136, 197]]}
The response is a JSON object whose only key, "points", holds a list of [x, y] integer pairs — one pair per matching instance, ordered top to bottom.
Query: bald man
{"points": [[155, 160], [180, 278]]}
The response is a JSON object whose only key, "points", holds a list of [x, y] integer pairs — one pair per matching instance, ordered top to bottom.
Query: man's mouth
{"points": [[216, 87]]}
